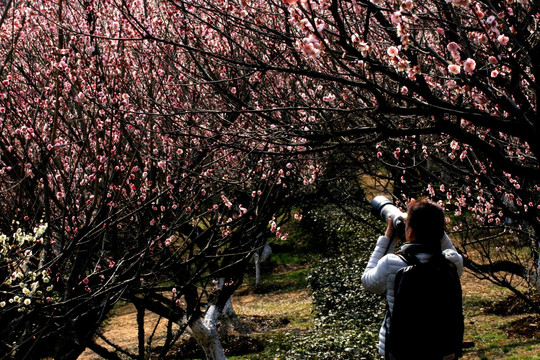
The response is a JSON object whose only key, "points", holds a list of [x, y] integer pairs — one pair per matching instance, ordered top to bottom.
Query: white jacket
{"points": [[380, 273]]}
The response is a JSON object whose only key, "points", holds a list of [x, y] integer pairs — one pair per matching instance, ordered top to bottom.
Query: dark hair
{"points": [[426, 218]]}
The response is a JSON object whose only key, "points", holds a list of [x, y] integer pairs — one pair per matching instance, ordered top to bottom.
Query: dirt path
{"points": [[260, 313], [121, 329]]}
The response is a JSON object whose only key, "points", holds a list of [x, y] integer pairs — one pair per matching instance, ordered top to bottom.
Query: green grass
{"points": [[288, 258], [291, 281], [283, 294], [489, 331], [491, 340], [274, 344]]}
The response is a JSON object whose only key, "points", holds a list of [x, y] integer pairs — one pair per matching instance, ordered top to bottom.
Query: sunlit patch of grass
{"points": [[281, 294], [296, 307], [487, 331], [491, 340]]}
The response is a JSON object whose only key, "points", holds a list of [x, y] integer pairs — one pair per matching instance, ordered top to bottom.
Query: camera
{"points": [[383, 208]]}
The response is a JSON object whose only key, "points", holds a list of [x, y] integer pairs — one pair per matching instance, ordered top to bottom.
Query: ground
{"points": [[256, 306], [497, 324]]}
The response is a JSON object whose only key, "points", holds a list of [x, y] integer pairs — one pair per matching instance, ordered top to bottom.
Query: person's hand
{"points": [[390, 229], [391, 233]]}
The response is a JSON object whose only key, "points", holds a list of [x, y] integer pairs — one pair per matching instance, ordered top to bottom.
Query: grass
{"points": [[290, 281], [283, 294], [288, 299], [485, 331], [488, 331], [491, 340], [274, 343]]}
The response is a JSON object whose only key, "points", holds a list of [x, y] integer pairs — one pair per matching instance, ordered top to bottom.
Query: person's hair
{"points": [[426, 218]]}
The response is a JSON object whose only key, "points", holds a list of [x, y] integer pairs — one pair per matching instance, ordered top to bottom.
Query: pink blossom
{"points": [[407, 5], [479, 11], [396, 17], [321, 25], [503, 39], [452, 46], [311, 50], [392, 51], [493, 60], [469, 65], [454, 69], [495, 73], [329, 98], [479, 98], [273, 226]]}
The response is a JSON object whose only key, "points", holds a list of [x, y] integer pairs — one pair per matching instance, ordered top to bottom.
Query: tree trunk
{"points": [[258, 259], [257, 262], [206, 335]]}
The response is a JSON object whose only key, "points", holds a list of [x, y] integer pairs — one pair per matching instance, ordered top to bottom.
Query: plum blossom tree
{"points": [[443, 92], [158, 138], [143, 176]]}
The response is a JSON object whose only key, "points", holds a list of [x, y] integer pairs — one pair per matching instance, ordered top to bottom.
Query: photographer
{"points": [[425, 239]]}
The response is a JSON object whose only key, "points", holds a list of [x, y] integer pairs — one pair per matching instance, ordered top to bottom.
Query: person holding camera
{"points": [[427, 321]]}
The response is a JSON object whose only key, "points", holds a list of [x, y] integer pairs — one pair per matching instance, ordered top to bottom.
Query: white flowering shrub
{"points": [[25, 283], [28, 296]]}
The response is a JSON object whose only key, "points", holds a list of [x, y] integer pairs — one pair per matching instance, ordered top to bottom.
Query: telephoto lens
{"points": [[383, 208]]}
